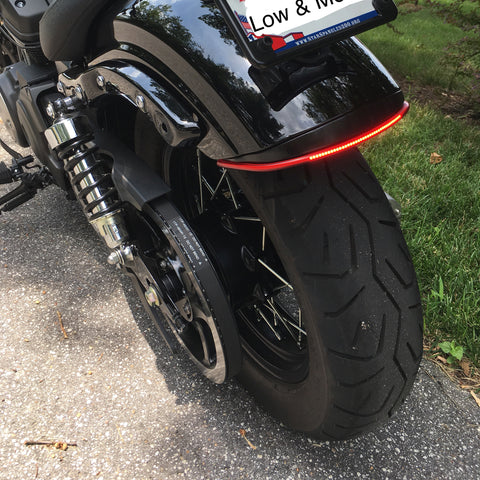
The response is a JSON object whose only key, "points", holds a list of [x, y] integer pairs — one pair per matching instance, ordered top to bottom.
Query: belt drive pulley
{"points": [[174, 274], [181, 286]]}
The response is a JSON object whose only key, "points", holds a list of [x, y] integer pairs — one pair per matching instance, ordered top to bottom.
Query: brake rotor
{"points": [[182, 289]]}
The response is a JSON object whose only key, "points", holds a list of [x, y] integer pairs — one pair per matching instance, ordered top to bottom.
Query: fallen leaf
{"points": [[435, 158], [60, 321], [442, 359], [465, 364], [475, 397], [243, 433], [57, 445], [60, 445]]}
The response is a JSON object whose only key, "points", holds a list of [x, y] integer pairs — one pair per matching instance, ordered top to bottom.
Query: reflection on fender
{"points": [[325, 152]]}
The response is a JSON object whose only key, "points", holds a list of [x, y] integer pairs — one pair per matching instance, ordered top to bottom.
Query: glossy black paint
{"points": [[252, 114], [170, 115]]}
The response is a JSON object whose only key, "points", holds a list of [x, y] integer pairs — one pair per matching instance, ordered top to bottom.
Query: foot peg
{"points": [[30, 182]]}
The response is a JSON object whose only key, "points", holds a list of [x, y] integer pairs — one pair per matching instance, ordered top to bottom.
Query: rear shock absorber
{"points": [[71, 136]]}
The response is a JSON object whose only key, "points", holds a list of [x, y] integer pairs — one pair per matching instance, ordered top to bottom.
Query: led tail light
{"points": [[325, 152]]}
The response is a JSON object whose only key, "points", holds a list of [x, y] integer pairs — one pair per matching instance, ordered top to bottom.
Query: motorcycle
{"points": [[216, 157]]}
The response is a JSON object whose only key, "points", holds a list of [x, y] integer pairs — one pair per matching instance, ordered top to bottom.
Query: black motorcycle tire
{"points": [[342, 248], [345, 254]]}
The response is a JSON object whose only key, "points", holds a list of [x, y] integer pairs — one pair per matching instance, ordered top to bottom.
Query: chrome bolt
{"points": [[101, 81], [61, 87], [79, 92], [140, 101], [50, 110], [396, 207], [121, 255], [115, 258], [151, 296], [187, 309]]}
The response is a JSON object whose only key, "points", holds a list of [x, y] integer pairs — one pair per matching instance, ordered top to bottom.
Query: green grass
{"points": [[467, 10], [422, 46], [441, 203], [441, 216]]}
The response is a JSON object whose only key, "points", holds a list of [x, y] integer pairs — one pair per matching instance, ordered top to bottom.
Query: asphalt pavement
{"points": [[106, 385]]}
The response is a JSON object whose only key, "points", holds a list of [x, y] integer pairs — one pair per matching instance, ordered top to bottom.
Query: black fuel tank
{"points": [[21, 18]]}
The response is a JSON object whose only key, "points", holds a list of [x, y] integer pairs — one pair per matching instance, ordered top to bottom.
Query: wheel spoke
{"points": [[200, 180], [229, 183], [219, 184], [207, 185], [247, 219], [273, 272], [270, 306], [197, 311], [268, 322], [287, 323], [272, 328], [300, 331]]}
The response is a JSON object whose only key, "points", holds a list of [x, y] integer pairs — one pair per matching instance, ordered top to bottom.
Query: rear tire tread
{"points": [[376, 279]]}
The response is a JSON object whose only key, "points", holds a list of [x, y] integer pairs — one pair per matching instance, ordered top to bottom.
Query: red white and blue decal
{"points": [[292, 23]]}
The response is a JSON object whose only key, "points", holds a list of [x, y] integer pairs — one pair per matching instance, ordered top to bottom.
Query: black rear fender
{"points": [[230, 109]]}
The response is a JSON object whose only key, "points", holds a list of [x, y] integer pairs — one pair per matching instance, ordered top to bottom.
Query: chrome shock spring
{"points": [[90, 175], [90, 178]]}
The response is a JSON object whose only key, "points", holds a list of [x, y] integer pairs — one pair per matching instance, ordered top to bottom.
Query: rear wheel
{"points": [[321, 282]]}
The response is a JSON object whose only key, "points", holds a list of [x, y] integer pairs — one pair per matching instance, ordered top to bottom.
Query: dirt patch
{"points": [[405, 7], [452, 104], [463, 373]]}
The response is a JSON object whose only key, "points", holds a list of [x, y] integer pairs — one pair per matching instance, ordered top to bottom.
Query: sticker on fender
{"points": [[291, 23]]}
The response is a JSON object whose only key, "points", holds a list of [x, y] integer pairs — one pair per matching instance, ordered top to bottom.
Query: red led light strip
{"points": [[312, 157]]}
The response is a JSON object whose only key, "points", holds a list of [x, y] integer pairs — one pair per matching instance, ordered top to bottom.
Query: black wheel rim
{"points": [[269, 318]]}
